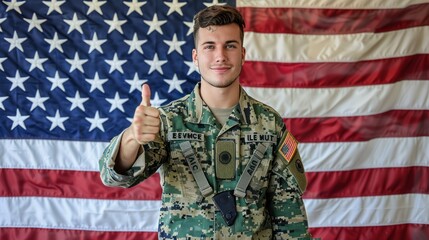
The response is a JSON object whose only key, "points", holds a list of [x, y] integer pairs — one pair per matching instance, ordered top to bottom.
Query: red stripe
{"points": [[333, 21], [313, 75], [395, 123], [367, 182], [71, 184], [323, 184], [393, 232], [42, 234]]}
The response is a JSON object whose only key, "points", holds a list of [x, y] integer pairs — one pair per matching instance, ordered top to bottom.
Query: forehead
{"points": [[221, 33]]}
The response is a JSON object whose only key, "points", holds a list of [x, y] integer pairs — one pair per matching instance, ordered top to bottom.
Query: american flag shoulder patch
{"points": [[288, 147]]}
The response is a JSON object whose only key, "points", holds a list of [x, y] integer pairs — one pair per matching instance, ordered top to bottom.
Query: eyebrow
{"points": [[227, 42]]}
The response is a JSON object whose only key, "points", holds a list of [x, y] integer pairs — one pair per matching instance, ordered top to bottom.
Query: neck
{"points": [[220, 98]]}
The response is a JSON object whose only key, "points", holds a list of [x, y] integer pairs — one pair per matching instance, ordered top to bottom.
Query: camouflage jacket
{"points": [[272, 207]]}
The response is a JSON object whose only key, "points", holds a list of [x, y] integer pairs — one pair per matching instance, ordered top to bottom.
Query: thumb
{"points": [[145, 95]]}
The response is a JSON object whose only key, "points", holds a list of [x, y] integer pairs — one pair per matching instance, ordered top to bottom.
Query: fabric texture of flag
{"points": [[350, 78]]}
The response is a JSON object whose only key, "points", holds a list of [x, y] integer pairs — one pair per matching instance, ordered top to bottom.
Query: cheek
{"points": [[202, 61]]}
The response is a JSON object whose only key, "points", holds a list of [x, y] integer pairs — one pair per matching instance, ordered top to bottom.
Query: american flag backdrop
{"points": [[350, 78]]}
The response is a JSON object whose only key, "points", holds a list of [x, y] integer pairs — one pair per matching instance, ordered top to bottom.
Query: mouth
{"points": [[220, 68]]}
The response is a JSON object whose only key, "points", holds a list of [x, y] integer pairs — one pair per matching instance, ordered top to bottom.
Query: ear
{"points": [[243, 56], [195, 57]]}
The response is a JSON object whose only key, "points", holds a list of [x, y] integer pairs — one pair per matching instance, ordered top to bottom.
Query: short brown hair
{"points": [[217, 15]]}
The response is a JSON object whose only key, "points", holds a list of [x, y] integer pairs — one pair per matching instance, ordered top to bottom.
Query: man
{"points": [[229, 168]]}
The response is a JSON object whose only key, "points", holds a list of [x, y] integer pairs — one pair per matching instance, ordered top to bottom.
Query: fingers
{"points": [[145, 95], [146, 116], [146, 122], [145, 128], [145, 134]]}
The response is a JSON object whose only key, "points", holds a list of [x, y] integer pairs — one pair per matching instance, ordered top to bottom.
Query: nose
{"points": [[221, 55]]}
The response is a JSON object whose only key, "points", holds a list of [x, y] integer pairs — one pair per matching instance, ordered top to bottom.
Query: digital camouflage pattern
{"points": [[272, 208]]}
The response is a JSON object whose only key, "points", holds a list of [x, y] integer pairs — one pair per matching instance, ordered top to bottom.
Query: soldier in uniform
{"points": [[229, 168]]}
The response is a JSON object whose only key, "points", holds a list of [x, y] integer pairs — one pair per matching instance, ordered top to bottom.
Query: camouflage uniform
{"points": [[272, 208]]}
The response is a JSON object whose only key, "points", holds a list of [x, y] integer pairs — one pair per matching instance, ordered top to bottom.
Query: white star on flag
{"points": [[215, 2], [13, 5], [54, 5], [94, 5], [134, 6], [175, 6], [1, 21], [35, 23], [75, 24], [115, 24], [155, 24], [190, 26], [15, 42], [55, 43], [95, 43], [135, 44], [175, 45], [36, 62], [1, 63], [76, 63], [116, 64], [155, 64], [192, 67], [17, 81], [57, 82], [96, 83], [135, 83], [175, 83], [2, 99], [37, 101], [77, 101], [156, 101], [117, 102], [18, 120], [57, 121], [96, 122]]}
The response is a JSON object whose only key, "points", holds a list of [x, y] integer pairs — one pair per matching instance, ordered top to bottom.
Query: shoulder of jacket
{"points": [[176, 105]]}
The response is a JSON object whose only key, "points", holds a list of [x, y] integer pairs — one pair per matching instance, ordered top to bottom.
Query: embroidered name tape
{"points": [[186, 136], [255, 137]]}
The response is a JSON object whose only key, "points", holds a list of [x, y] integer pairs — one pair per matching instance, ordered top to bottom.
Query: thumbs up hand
{"points": [[145, 95], [146, 122]]}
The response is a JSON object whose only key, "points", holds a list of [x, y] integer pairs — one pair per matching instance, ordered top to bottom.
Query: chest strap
{"points": [[196, 169], [249, 171], [243, 182]]}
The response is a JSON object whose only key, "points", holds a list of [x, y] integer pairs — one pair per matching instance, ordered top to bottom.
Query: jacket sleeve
{"points": [[149, 159], [287, 184]]}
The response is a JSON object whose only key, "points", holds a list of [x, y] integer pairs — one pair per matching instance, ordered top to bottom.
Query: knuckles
{"points": [[145, 124]]}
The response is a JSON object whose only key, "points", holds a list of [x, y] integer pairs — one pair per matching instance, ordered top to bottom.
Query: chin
{"points": [[220, 82]]}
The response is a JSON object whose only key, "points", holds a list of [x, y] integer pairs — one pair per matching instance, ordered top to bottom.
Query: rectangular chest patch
{"points": [[186, 136], [255, 137], [288, 147]]}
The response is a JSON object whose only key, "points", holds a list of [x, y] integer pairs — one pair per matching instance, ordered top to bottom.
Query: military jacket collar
{"points": [[200, 113]]}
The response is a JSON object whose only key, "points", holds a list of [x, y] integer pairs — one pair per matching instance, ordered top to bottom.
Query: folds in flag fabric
{"points": [[350, 78]]}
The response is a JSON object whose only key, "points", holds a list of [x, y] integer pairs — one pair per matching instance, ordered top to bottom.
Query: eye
{"points": [[209, 47]]}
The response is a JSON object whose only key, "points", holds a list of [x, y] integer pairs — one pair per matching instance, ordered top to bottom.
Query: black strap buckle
{"points": [[225, 202]]}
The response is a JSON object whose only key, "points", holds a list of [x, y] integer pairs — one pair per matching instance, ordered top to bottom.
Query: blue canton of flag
{"points": [[73, 70]]}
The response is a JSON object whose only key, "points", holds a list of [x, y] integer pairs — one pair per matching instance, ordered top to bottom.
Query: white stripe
{"points": [[339, 4], [335, 48], [346, 101], [384, 152], [377, 153], [50, 154], [368, 211], [79, 214], [114, 215]]}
